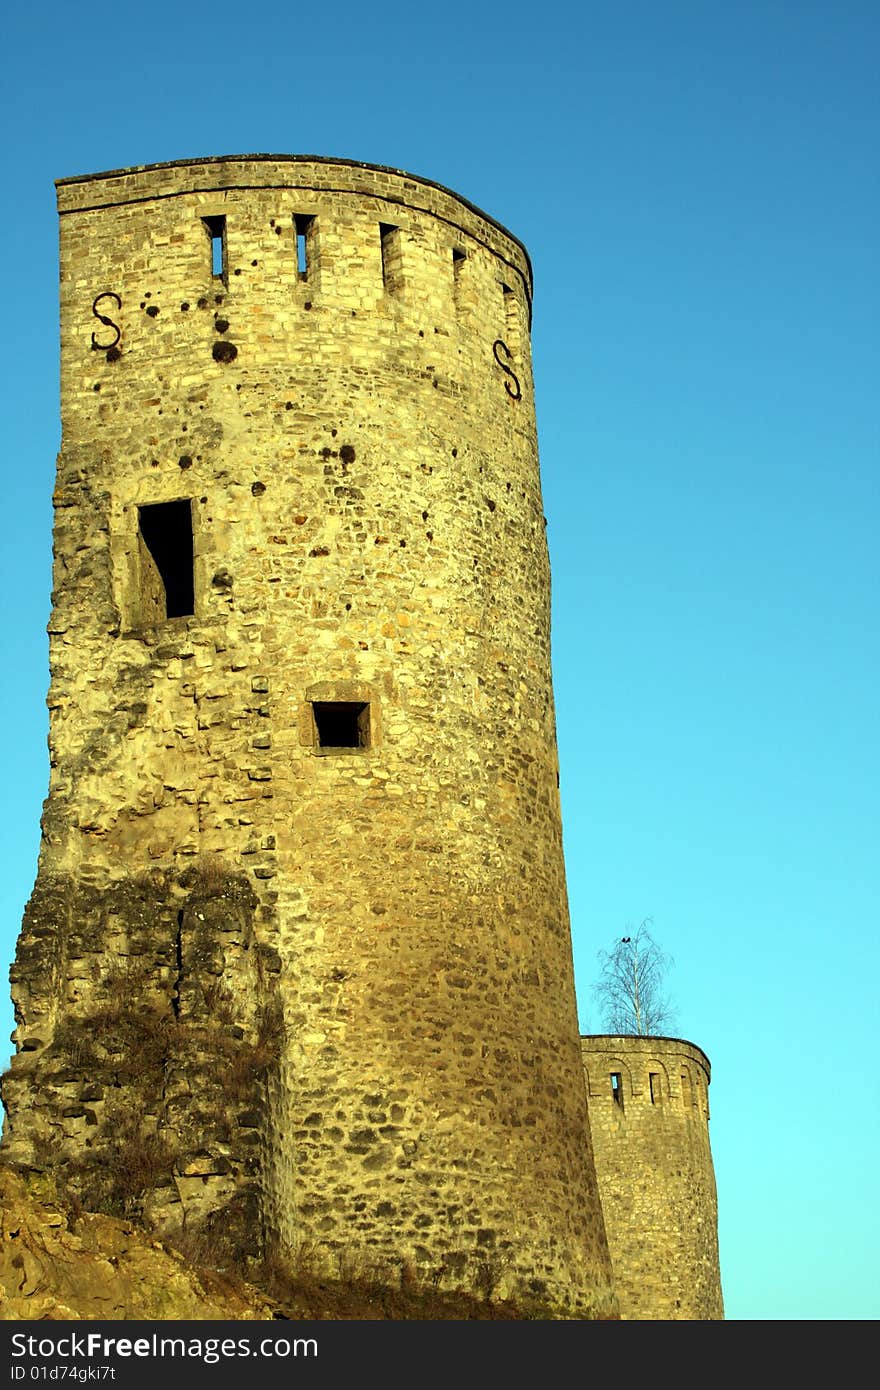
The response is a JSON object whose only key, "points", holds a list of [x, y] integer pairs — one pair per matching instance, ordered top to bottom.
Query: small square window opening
{"points": [[341, 726]]}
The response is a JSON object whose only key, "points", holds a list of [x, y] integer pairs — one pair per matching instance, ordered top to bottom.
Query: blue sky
{"points": [[697, 185]]}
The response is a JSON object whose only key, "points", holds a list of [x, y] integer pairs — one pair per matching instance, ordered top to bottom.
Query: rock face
{"points": [[297, 965], [148, 1099], [54, 1266]]}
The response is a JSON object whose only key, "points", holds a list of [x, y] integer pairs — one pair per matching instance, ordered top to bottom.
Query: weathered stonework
{"points": [[297, 965], [649, 1116], [60, 1265]]}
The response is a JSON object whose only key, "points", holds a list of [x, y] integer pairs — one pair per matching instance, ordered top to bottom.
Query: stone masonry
{"points": [[297, 966], [649, 1115]]}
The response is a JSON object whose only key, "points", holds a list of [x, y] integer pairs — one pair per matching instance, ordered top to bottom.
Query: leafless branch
{"points": [[630, 989]]}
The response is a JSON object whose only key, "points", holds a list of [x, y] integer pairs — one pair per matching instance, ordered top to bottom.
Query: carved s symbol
{"points": [[107, 322], [514, 391]]}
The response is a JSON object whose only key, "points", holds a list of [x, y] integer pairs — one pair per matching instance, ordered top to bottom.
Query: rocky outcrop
{"points": [[141, 1079], [57, 1265]]}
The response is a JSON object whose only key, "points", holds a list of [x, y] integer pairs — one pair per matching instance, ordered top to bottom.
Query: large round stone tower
{"points": [[297, 965], [649, 1112]]}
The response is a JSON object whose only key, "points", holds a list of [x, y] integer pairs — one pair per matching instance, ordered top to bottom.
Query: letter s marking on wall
{"points": [[107, 322], [514, 391]]}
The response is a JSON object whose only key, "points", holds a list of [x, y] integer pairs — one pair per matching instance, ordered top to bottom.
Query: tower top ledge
{"points": [[216, 173], [643, 1042]]}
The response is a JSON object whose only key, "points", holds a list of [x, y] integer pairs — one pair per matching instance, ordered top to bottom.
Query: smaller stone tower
{"points": [[649, 1116]]}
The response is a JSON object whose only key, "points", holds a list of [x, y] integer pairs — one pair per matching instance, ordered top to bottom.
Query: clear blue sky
{"points": [[697, 184]]}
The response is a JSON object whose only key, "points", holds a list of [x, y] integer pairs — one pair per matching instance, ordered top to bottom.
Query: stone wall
{"points": [[303, 819], [649, 1115]]}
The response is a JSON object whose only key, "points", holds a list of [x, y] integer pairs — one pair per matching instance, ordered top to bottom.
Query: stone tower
{"points": [[297, 964], [649, 1114]]}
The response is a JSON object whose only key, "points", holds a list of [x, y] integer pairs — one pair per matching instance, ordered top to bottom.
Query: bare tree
{"points": [[630, 989]]}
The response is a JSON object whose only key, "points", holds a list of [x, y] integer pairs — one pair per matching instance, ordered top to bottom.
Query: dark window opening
{"points": [[303, 227], [216, 229], [389, 241], [458, 260], [511, 317], [166, 545], [342, 724], [654, 1084], [617, 1088]]}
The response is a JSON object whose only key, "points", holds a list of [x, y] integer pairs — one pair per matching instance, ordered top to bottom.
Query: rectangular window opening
{"points": [[303, 227], [216, 229], [392, 257], [458, 259], [511, 318], [165, 540], [342, 725], [654, 1084], [617, 1088]]}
